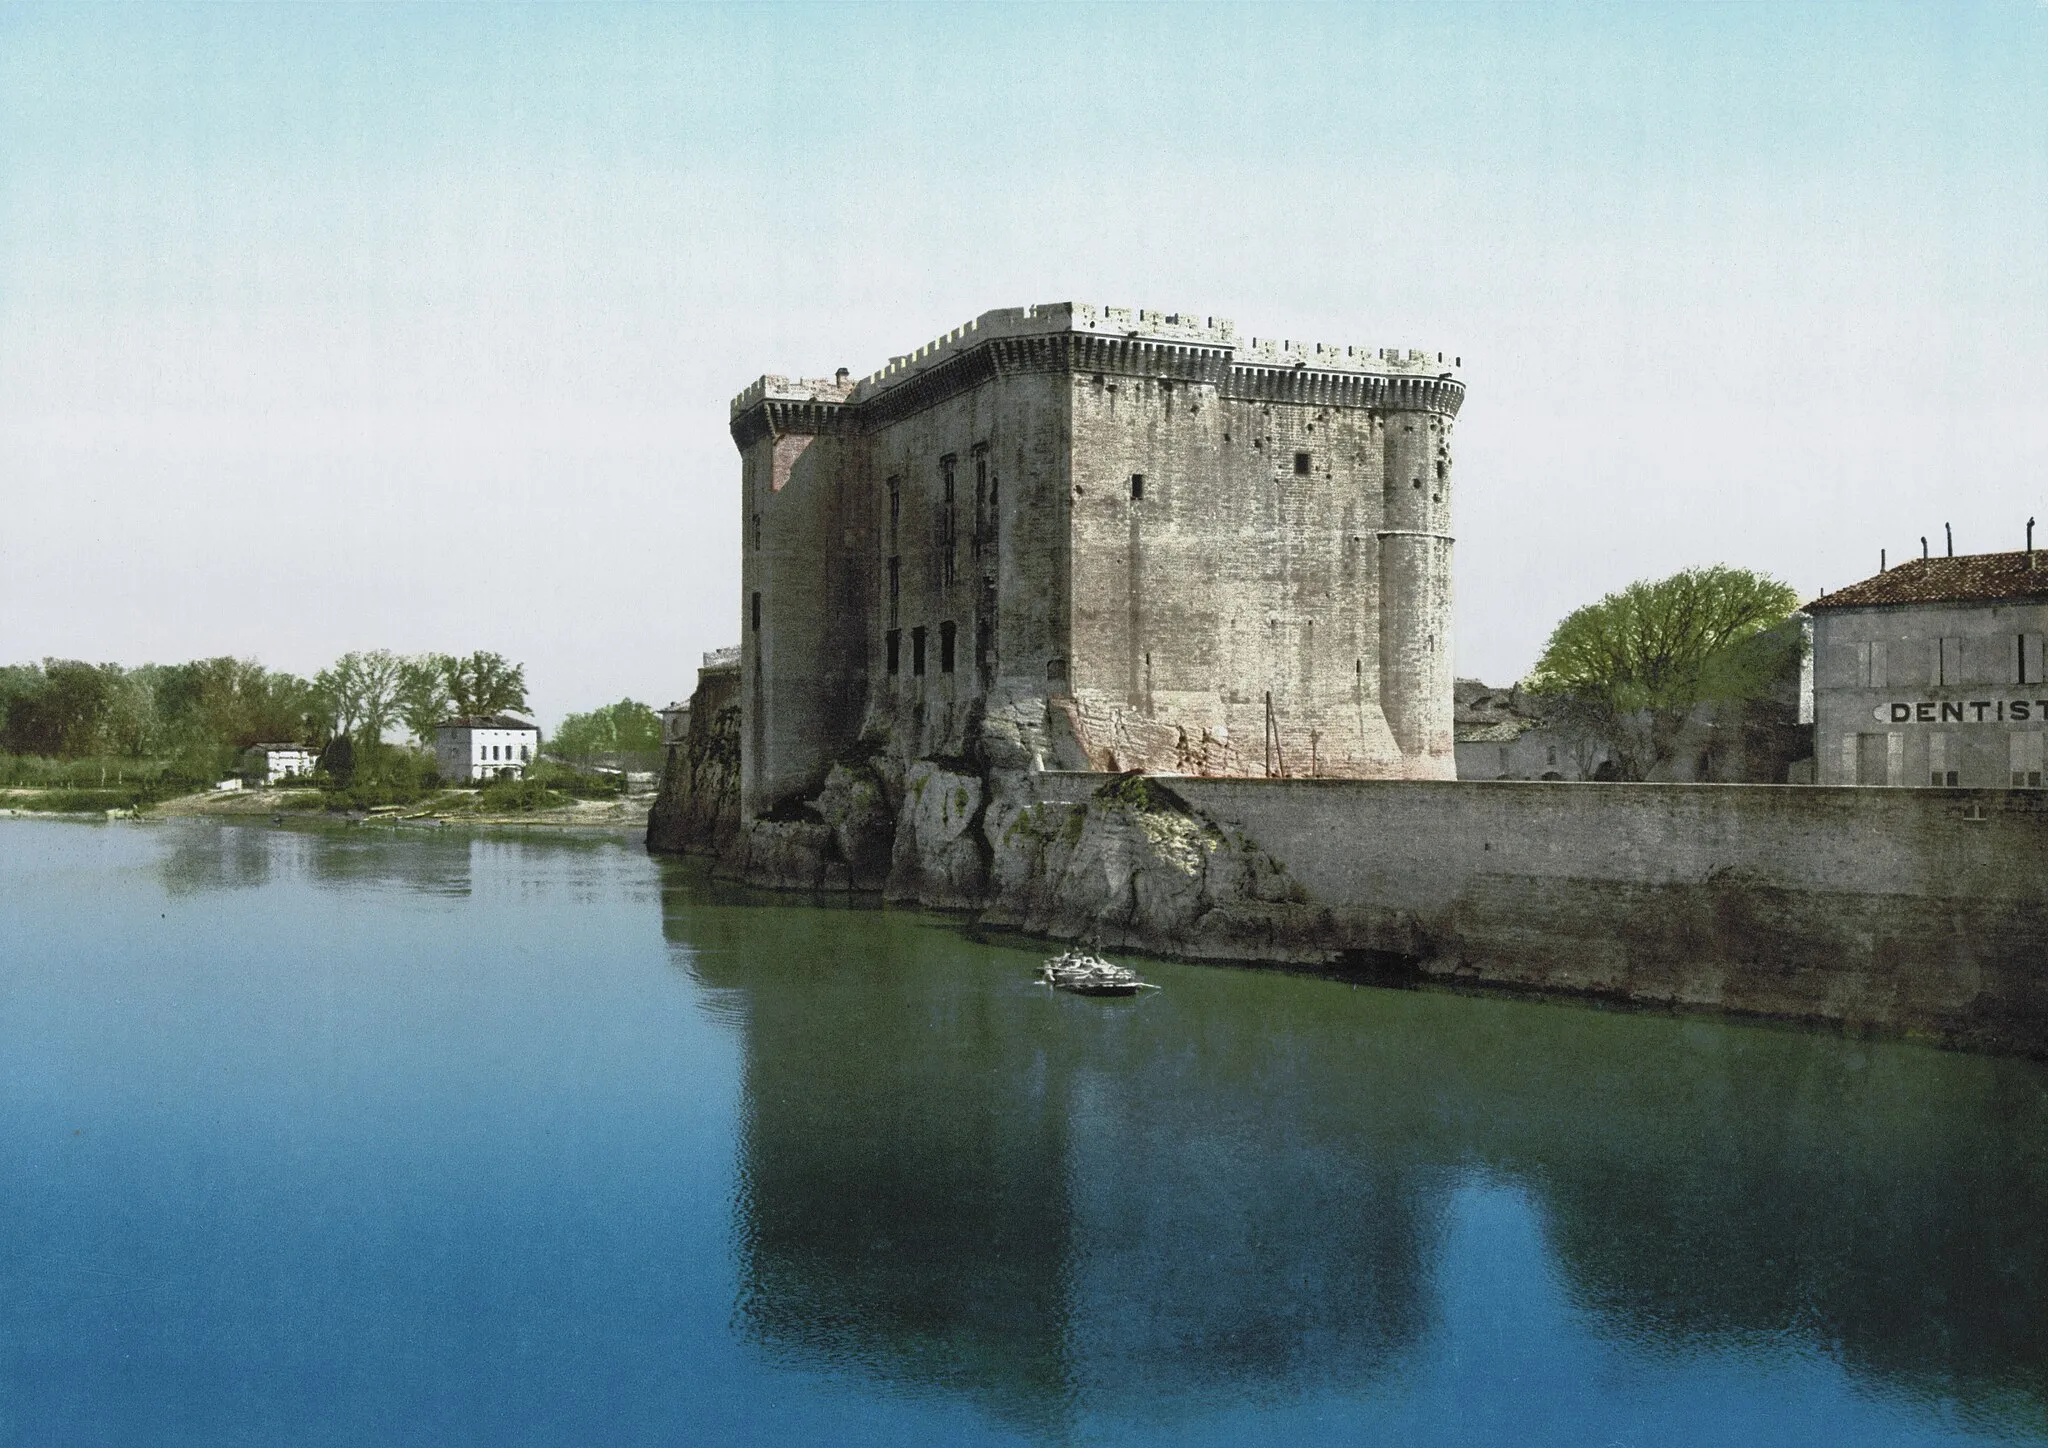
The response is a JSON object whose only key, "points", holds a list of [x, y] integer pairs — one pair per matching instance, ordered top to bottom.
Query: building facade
{"points": [[1190, 552], [1932, 674], [1506, 734], [495, 746], [274, 763]]}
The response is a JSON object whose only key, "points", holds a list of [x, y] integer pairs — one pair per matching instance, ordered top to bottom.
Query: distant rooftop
{"points": [[1972, 578], [725, 658], [484, 721]]}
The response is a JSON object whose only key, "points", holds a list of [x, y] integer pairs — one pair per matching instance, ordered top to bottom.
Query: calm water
{"points": [[320, 1137]]}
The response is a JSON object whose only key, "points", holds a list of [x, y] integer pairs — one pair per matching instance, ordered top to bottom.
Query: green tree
{"points": [[1633, 666], [483, 683], [361, 692], [423, 700], [211, 708], [67, 709], [627, 727]]}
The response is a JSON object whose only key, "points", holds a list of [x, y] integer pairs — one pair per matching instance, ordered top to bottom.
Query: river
{"points": [[324, 1136]]}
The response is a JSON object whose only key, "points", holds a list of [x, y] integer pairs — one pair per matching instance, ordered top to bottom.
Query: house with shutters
{"points": [[1931, 674], [489, 746]]}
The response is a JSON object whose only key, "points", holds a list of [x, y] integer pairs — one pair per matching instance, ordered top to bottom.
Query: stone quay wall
{"points": [[1921, 911]]}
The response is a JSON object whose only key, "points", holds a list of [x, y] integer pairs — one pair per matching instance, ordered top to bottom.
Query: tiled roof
{"points": [[1972, 578], [485, 721]]}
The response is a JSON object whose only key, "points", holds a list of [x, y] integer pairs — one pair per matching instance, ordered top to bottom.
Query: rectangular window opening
{"points": [[1301, 464], [1137, 487], [947, 526], [757, 612], [895, 643], [946, 647], [917, 651], [1949, 666]]}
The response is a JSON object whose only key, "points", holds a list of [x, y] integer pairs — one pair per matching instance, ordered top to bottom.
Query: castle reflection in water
{"points": [[1237, 1189]]}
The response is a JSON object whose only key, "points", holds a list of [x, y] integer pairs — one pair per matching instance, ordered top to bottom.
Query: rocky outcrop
{"points": [[697, 807], [941, 856], [1130, 864], [1134, 866]]}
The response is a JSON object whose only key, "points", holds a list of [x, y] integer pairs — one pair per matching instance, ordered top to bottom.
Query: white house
{"points": [[485, 747], [271, 763]]}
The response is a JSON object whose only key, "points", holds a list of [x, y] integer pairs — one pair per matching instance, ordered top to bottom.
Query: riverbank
{"points": [[621, 814]]}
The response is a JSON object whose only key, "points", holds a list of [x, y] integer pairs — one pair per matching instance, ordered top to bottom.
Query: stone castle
{"points": [[1096, 538], [1061, 542]]}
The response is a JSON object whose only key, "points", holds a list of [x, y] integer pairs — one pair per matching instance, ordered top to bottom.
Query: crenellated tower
{"points": [[1135, 538]]}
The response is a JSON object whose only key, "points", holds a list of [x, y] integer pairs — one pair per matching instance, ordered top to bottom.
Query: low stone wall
{"points": [[1915, 910]]}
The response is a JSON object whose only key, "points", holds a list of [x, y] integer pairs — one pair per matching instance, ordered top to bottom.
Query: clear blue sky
{"points": [[329, 328]]}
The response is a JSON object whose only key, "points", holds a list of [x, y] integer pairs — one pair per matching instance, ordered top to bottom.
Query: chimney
{"points": [[840, 376], [1951, 539], [2030, 545], [1923, 546], [1880, 560]]}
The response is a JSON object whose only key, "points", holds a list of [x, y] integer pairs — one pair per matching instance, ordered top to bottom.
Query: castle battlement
{"points": [[1126, 323]]}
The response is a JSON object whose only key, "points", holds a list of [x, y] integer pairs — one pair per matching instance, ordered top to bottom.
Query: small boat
{"points": [[1090, 975]]}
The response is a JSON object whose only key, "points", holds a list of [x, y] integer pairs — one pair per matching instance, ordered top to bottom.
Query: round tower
{"points": [[1415, 589]]}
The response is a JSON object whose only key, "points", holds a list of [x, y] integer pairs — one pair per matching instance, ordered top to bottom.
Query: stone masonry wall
{"points": [[1913, 910], [1917, 911]]}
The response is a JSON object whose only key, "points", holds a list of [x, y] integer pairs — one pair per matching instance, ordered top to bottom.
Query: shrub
{"points": [[1139, 791], [519, 796]]}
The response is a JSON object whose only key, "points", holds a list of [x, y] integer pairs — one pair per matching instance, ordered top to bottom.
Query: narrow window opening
{"points": [[1301, 464], [1138, 490], [895, 507], [947, 525], [757, 532], [895, 586], [757, 612], [895, 644], [946, 647], [917, 650]]}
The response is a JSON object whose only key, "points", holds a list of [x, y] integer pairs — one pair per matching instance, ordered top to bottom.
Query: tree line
{"points": [[204, 712]]}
